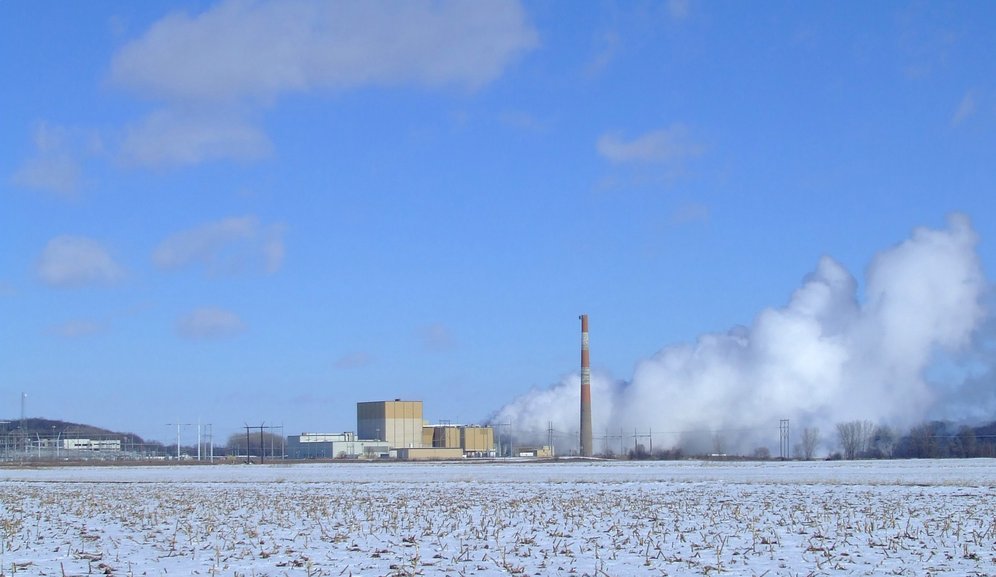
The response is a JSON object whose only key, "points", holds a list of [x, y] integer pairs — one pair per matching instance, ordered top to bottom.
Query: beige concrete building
{"points": [[397, 422], [400, 425], [441, 437], [474, 441], [477, 441]]}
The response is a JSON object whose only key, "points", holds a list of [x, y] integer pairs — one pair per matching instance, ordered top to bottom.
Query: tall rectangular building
{"points": [[397, 422]]}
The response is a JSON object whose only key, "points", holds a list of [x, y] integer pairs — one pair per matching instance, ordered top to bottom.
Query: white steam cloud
{"points": [[828, 356]]}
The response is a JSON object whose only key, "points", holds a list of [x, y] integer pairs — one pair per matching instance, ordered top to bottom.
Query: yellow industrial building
{"points": [[400, 425], [474, 441]]}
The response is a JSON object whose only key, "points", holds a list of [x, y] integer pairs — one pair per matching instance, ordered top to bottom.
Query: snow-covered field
{"points": [[580, 518]]}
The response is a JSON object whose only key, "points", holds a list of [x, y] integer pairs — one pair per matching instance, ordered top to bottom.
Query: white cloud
{"points": [[678, 9], [608, 46], [262, 49], [246, 54], [966, 109], [523, 121], [169, 138], [671, 146], [54, 167], [53, 173], [691, 212], [230, 245], [273, 248], [75, 261], [209, 323], [77, 329], [437, 337], [354, 360]]}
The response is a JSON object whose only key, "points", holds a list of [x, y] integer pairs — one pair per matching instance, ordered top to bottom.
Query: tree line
{"points": [[862, 439], [931, 440]]}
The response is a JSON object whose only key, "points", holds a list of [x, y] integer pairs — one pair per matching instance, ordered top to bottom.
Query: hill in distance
{"points": [[48, 428]]}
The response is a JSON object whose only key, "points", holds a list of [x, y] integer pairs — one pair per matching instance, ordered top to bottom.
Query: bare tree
{"points": [[855, 437], [809, 441], [923, 441], [883, 442], [966, 443], [268, 444], [639, 452], [761, 453]]}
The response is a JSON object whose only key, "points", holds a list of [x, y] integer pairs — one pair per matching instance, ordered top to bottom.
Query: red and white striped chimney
{"points": [[586, 448]]}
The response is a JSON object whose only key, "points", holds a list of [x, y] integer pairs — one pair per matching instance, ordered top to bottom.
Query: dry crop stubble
{"points": [[519, 528]]}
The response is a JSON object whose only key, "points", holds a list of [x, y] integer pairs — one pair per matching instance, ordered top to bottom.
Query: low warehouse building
{"points": [[334, 446], [430, 454]]}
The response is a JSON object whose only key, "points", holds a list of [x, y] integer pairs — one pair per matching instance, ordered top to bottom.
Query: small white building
{"points": [[91, 444]]}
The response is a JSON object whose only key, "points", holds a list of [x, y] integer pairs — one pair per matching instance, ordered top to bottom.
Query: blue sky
{"points": [[246, 211]]}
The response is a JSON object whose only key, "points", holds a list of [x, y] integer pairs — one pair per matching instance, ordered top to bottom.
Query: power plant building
{"points": [[398, 423], [394, 429], [441, 436], [473, 441], [477, 441]]}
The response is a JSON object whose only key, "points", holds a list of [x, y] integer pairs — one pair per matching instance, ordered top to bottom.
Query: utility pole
{"points": [[178, 425], [549, 438], [262, 447]]}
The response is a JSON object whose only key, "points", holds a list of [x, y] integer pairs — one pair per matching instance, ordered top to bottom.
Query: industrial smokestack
{"points": [[586, 449]]}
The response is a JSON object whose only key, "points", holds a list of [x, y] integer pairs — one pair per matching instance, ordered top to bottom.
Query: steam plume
{"points": [[827, 356]]}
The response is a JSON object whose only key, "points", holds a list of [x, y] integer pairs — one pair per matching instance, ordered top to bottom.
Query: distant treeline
{"points": [[865, 440]]}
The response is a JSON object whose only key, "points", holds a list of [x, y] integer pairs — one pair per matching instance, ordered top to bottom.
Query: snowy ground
{"points": [[596, 519]]}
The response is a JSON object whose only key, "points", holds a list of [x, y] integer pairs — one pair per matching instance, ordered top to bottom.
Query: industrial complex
{"points": [[395, 429]]}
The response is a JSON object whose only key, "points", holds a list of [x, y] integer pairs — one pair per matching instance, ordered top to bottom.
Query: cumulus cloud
{"points": [[262, 49], [246, 54], [672, 146], [54, 166], [227, 246], [69, 261], [209, 323], [825, 357]]}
